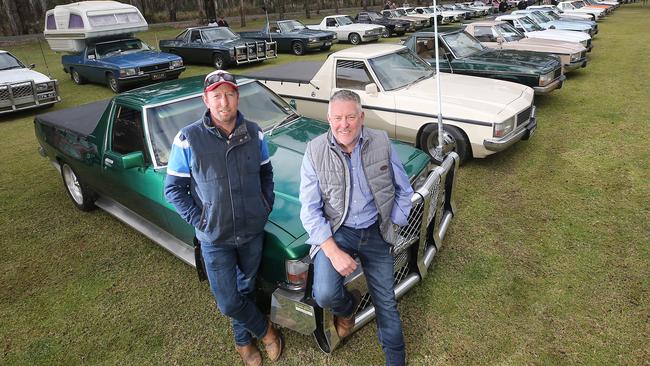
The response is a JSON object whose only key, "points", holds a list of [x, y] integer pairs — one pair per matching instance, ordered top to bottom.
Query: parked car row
{"points": [[113, 154]]}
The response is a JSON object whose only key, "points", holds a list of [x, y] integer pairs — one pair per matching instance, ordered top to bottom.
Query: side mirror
{"points": [[500, 40], [91, 57], [31, 66], [371, 89], [292, 103], [133, 160]]}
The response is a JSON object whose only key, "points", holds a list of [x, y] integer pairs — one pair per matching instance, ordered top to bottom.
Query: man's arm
{"points": [[266, 171], [178, 181], [403, 191], [315, 223]]}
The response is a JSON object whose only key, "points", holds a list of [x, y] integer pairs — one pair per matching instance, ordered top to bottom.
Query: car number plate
{"points": [[328, 43], [158, 76], [47, 95]]}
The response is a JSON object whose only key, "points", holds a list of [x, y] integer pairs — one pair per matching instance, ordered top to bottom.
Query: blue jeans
{"points": [[377, 264], [231, 270]]}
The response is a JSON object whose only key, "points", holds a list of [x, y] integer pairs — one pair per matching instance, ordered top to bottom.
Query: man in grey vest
{"points": [[354, 193]]}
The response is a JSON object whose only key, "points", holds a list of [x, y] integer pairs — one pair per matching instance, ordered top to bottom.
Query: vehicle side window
{"points": [[330, 22], [274, 29], [484, 34], [196, 36], [424, 47], [352, 75], [127, 135]]}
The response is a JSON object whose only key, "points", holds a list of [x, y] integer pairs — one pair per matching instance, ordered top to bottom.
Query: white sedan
{"points": [[531, 29]]}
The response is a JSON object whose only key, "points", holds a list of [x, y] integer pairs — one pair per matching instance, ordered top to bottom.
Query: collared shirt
{"points": [[362, 211]]}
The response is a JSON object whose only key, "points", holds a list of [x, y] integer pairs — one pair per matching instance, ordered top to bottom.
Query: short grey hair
{"points": [[345, 95]]}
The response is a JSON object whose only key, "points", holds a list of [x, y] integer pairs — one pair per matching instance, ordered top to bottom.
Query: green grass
{"points": [[547, 261]]}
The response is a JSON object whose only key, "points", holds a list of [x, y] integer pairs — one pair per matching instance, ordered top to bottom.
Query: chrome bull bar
{"points": [[255, 51]]}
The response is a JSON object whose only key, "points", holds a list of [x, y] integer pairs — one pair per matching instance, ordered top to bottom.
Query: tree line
{"points": [[27, 16]]}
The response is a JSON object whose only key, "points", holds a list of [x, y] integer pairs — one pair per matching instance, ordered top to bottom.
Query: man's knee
{"points": [[326, 295]]}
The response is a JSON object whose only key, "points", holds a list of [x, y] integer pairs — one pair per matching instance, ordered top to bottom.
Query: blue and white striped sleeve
{"points": [[264, 148], [180, 157]]}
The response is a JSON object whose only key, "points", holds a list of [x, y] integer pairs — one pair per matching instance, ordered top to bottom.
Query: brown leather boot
{"points": [[344, 325], [272, 342], [250, 354]]}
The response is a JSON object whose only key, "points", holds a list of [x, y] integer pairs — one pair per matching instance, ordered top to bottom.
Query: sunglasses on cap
{"points": [[215, 79]]}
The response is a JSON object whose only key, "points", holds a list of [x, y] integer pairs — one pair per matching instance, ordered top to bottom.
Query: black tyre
{"points": [[385, 33], [354, 38], [298, 48], [326, 48], [219, 62], [76, 78], [113, 84], [453, 140], [82, 197]]}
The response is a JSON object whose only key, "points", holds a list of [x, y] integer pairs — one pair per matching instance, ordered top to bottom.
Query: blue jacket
{"points": [[223, 186]]}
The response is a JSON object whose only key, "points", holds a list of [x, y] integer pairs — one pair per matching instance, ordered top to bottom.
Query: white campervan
{"points": [[68, 26]]}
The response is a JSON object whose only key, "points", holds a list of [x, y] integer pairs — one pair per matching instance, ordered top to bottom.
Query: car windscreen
{"points": [[400, 13], [552, 15], [374, 16], [291, 25], [530, 25], [509, 33], [216, 34], [462, 44], [126, 46], [8, 62], [399, 69], [256, 103]]}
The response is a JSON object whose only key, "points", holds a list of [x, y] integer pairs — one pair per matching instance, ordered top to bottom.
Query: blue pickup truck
{"points": [[120, 63]]}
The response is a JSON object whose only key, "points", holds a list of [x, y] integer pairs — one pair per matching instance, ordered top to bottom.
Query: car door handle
{"points": [[108, 162]]}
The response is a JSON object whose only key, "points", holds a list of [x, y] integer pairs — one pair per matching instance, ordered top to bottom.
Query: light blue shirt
{"points": [[362, 211]]}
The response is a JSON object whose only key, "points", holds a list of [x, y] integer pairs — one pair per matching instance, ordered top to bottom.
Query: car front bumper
{"points": [[575, 65], [154, 76], [556, 84]]}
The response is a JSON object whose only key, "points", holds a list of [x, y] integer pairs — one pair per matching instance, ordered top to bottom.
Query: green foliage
{"points": [[547, 261]]}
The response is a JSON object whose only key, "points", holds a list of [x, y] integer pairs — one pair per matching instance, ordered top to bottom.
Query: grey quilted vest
{"points": [[333, 173]]}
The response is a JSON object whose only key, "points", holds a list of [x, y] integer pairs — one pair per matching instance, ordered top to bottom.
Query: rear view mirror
{"points": [[31, 66], [371, 89], [133, 160]]}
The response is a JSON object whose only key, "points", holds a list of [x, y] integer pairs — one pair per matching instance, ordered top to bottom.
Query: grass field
{"points": [[547, 262]]}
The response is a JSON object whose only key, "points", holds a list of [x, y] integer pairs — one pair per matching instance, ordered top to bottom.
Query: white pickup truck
{"points": [[347, 29], [21, 87], [398, 92]]}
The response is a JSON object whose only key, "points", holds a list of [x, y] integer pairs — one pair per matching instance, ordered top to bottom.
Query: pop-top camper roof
{"points": [[67, 27]]}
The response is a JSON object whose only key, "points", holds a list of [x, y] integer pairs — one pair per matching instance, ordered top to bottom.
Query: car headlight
{"points": [[334, 37], [313, 40], [584, 43], [575, 57], [176, 63], [128, 72], [546, 78], [41, 87], [504, 128], [296, 272]]}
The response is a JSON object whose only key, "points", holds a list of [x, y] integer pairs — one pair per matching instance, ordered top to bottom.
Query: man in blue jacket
{"points": [[220, 180]]}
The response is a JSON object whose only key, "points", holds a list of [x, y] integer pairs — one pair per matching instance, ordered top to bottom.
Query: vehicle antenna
{"points": [[268, 23], [156, 37], [49, 74], [438, 153]]}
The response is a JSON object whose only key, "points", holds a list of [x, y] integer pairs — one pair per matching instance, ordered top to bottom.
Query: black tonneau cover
{"points": [[297, 72], [80, 119]]}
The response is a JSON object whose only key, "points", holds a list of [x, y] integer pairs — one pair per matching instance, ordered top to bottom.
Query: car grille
{"points": [[588, 43], [583, 54], [155, 68], [19, 90], [523, 117]]}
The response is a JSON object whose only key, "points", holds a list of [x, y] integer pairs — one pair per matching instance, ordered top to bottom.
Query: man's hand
{"points": [[342, 262]]}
